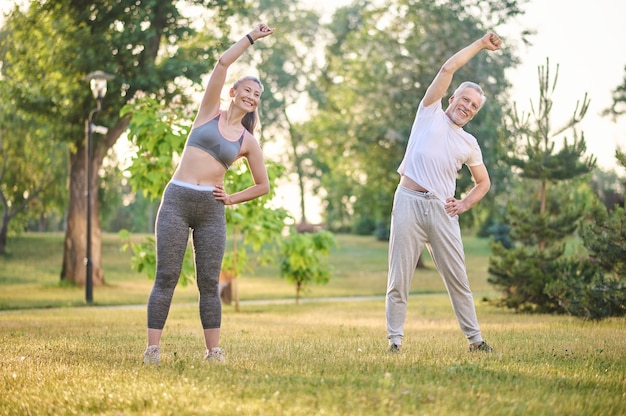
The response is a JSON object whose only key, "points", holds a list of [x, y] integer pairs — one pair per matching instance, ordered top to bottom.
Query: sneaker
{"points": [[483, 346], [395, 348], [216, 354], [152, 355]]}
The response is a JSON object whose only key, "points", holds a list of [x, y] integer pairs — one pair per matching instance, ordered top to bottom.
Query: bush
{"points": [[364, 226], [382, 232], [303, 259], [584, 291]]}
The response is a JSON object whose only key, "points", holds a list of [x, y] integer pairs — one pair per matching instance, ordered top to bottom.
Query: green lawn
{"points": [[29, 274], [321, 357], [316, 358]]}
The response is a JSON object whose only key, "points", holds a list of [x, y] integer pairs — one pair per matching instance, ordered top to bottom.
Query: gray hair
{"points": [[248, 78], [475, 87]]}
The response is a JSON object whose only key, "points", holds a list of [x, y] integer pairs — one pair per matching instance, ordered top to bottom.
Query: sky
{"points": [[588, 41]]}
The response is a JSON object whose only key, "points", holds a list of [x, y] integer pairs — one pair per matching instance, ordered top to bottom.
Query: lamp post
{"points": [[98, 84]]}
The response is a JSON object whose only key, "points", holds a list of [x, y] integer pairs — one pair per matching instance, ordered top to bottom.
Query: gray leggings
{"points": [[183, 208]]}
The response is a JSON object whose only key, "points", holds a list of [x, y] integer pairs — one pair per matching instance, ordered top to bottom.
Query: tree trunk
{"points": [[295, 139], [542, 196], [3, 233], [75, 252], [234, 282], [298, 287]]}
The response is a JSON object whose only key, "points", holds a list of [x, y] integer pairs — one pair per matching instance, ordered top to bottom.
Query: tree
{"points": [[147, 44], [379, 62], [287, 66], [32, 169], [545, 210], [605, 237], [302, 259], [596, 288]]}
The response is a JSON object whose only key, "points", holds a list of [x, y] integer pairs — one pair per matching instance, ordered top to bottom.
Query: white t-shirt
{"points": [[436, 151]]}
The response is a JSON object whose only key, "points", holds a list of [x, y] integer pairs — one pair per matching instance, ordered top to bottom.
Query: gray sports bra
{"points": [[208, 138]]}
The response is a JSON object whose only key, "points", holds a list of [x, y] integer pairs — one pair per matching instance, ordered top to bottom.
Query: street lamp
{"points": [[98, 84]]}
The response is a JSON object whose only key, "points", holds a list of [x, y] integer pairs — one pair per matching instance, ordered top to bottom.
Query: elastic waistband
{"points": [[208, 188], [427, 195]]}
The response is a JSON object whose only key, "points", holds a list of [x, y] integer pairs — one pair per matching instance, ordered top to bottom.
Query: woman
{"points": [[195, 197]]}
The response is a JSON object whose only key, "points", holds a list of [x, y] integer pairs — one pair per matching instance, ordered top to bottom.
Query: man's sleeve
{"points": [[425, 112], [476, 156]]}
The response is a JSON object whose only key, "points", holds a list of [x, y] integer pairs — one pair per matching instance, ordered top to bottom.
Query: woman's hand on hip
{"points": [[220, 194]]}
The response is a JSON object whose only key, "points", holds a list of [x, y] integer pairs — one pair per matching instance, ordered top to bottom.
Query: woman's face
{"points": [[247, 95]]}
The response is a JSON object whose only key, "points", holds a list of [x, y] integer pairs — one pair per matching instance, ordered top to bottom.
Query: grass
{"points": [[29, 274], [322, 357], [316, 358]]}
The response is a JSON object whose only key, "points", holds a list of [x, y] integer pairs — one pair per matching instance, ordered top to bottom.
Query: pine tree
{"points": [[543, 209], [595, 287]]}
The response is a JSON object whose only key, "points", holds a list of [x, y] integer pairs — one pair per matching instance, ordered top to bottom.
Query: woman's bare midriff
{"points": [[197, 167], [409, 183]]}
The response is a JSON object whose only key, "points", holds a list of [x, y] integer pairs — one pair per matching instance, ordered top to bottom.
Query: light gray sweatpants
{"points": [[187, 207], [419, 219]]}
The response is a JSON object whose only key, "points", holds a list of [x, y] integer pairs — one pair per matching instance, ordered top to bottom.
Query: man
{"points": [[425, 212]]}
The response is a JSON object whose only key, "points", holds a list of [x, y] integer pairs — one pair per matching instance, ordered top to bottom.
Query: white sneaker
{"points": [[216, 354], [152, 355]]}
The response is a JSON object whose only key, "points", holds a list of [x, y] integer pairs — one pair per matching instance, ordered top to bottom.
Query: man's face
{"points": [[463, 106]]}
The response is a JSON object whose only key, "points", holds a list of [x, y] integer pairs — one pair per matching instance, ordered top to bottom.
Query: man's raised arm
{"points": [[443, 79]]}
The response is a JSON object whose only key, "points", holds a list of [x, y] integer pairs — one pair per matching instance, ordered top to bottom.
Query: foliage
{"points": [[150, 47], [379, 62], [375, 65], [287, 66], [158, 135], [32, 168], [609, 187], [120, 206], [544, 210], [136, 213], [258, 222], [255, 224], [363, 226], [605, 238], [143, 259], [301, 259], [597, 288], [582, 289]]}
